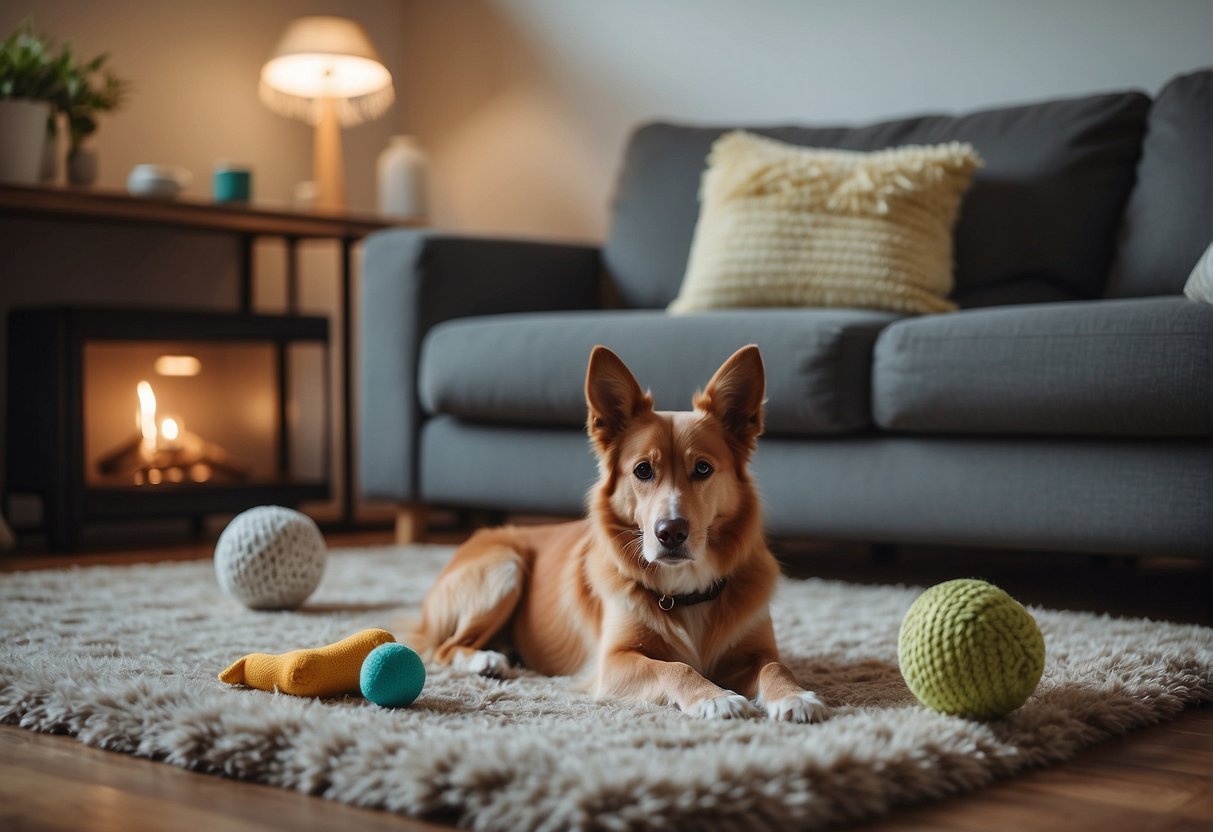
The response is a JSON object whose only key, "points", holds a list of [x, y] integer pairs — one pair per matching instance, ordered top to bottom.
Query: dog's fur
{"points": [[673, 513]]}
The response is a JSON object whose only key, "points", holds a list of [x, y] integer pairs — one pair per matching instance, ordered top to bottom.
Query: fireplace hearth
{"points": [[122, 414]]}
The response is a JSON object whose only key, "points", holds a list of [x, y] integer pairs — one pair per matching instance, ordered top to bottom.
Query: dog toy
{"points": [[270, 558], [968, 648], [332, 670], [392, 676]]}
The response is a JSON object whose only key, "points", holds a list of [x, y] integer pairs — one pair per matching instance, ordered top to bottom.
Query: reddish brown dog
{"points": [[662, 593]]}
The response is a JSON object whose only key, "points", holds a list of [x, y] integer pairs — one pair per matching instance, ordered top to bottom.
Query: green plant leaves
{"points": [[29, 68]]}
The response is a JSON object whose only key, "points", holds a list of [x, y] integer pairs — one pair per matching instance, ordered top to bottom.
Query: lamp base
{"points": [[328, 170]]}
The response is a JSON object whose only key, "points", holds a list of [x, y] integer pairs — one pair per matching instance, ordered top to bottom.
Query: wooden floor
{"points": [[1158, 778]]}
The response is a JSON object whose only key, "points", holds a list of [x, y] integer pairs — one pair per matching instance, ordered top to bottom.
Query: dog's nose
{"points": [[672, 532]]}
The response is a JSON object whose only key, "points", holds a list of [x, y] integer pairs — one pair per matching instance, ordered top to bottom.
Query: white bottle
{"points": [[401, 175]]}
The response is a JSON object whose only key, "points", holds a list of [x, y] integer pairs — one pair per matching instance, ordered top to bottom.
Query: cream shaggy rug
{"points": [[124, 658]]}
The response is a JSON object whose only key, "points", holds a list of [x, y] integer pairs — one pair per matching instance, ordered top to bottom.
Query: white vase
{"points": [[22, 140], [401, 176]]}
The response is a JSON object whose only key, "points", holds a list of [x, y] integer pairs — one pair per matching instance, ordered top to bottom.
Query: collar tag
{"points": [[668, 602]]}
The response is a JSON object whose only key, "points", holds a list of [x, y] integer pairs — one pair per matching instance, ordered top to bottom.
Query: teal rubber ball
{"points": [[392, 675]]}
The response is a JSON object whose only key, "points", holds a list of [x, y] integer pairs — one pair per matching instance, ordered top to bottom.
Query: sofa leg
{"points": [[410, 524]]}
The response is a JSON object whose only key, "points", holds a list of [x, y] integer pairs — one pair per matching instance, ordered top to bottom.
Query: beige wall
{"points": [[525, 105]]}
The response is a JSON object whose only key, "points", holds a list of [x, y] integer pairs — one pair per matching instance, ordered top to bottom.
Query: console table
{"points": [[245, 223]]}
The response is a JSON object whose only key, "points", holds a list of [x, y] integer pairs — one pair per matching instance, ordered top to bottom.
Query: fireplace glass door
{"points": [[122, 414]]}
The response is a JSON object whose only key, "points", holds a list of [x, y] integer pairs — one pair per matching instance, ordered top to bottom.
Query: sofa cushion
{"points": [[1045, 206], [1169, 218], [781, 225], [1139, 367], [530, 369], [466, 464], [1036, 493]]}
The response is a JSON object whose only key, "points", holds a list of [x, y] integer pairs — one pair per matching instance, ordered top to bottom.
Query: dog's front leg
{"points": [[753, 667], [629, 674], [783, 697]]}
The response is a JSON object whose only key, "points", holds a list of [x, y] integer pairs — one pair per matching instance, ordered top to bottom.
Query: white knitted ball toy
{"points": [[270, 558]]}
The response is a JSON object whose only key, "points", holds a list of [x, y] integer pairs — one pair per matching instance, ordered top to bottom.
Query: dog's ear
{"points": [[735, 394], [612, 395]]}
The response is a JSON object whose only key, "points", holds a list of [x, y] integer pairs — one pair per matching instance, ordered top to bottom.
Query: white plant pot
{"points": [[22, 140]]}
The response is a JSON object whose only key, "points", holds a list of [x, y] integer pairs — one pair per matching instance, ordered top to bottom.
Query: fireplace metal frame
{"points": [[45, 428]]}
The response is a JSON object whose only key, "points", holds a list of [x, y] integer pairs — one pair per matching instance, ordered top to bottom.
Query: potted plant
{"points": [[29, 87], [38, 88], [84, 92]]}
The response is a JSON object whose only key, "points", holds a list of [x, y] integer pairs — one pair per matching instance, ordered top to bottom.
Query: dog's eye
{"points": [[703, 469], [643, 471]]}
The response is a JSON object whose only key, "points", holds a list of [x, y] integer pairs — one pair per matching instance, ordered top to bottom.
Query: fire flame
{"points": [[147, 415], [168, 431], [167, 451]]}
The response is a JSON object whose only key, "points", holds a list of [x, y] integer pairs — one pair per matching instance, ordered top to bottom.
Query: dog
{"points": [[662, 592]]}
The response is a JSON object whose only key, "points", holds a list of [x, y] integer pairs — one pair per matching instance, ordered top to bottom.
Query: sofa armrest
{"points": [[413, 280]]}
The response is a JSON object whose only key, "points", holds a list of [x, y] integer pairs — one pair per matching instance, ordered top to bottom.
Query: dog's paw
{"points": [[484, 663], [729, 706], [803, 707]]}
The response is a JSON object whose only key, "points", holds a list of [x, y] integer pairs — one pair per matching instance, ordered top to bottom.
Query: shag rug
{"points": [[125, 658]]}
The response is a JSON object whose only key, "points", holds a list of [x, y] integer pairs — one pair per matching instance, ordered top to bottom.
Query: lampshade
{"points": [[326, 59]]}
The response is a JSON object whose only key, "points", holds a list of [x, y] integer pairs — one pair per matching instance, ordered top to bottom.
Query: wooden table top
{"points": [[95, 205]]}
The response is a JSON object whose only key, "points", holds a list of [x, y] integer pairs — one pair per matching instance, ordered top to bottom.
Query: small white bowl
{"points": [[160, 181]]}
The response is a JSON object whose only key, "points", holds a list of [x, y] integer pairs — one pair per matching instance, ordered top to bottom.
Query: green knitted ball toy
{"points": [[968, 648]]}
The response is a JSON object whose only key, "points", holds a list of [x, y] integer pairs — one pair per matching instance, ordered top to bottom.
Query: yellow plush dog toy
{"points": [[332, 670]]}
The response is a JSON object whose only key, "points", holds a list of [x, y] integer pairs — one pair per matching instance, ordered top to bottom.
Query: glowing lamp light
{"points": [[326, 71], [315, 74]]}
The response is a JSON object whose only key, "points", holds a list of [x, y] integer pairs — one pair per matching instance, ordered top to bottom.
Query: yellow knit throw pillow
{"points": [[782, 225]]}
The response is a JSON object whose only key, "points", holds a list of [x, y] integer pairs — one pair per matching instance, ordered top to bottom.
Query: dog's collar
{"points": [[668, 602]]}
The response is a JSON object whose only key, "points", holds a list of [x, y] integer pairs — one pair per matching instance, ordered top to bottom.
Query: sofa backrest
{"points": [[1168, 222], [1038, 223]]}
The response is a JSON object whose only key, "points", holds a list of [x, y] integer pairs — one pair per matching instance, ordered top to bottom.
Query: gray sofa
{"points": [[1067, 406]]}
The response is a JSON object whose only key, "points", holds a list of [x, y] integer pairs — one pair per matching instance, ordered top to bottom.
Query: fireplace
{"points": [[127, 414]]}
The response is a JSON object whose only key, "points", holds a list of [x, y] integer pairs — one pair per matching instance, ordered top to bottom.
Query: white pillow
{"points": [[784, 225], [1200, 282]]}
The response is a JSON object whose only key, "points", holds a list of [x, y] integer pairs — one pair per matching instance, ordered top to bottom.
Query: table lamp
{"points": [[325, 71]]}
